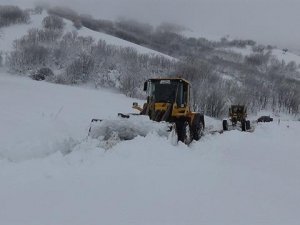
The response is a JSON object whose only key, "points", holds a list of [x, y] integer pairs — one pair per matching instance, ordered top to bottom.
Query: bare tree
{"points": [[12, 15], [53, 22], [80, 69]]}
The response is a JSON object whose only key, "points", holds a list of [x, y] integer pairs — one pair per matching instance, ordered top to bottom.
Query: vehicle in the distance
{"points": [[264, 119]]}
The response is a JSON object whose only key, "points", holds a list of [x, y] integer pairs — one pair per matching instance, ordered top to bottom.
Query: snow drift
{"points": [[111, 132]]}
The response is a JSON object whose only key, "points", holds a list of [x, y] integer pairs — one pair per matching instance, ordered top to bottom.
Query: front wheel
{"points": [[225, 125], [248, 126], [198, 131], [184, 132], [187, 134], [173, 136]]}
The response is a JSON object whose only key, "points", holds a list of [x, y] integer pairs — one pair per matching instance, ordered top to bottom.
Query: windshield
{"points": [[166, 91]]}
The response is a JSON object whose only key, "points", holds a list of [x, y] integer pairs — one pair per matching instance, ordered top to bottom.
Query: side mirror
{"points": [[145, 86]]}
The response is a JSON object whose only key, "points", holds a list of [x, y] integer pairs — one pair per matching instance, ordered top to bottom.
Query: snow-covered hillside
{"points": [[11, 33], [279, 54], [287, 57], [52, 174]]}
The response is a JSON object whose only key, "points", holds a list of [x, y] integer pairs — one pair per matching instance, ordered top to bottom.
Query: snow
{"points": [[11, 33], [195, 34], [111, 40], [243, 51], [278, 53], [287, 57], [34, 120], [127, 128], [51, 173]]}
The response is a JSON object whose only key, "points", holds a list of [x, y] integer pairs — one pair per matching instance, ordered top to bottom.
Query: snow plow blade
{"points": [[127, 127]]}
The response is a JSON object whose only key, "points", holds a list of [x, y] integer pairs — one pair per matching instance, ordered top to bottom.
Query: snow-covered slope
{"points": [[11, 33], [111, 40], [286, 56], [34, 123], [52, 174]]}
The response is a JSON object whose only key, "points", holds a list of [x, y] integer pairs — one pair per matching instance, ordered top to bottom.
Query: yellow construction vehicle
{"points": [[168, 99], [168, 104], [237, 114]]}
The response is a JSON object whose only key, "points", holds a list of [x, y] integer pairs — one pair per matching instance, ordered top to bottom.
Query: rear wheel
{"points": [[225, 125], [243, 125], [248, 126]]}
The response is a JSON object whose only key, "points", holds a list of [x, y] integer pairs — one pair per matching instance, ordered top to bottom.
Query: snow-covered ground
{"points": [[52, 174]]}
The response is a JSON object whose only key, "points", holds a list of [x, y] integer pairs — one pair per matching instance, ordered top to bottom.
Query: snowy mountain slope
{"points": [[11, 33], [111, 40], [278, 53], [287, 57], [231, 178]]}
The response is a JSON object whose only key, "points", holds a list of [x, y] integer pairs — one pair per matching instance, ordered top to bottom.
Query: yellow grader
{"points": [[168, 101], [237, 116]]}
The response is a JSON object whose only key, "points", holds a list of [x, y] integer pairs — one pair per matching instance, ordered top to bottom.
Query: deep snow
{"points": [[52, 174]]}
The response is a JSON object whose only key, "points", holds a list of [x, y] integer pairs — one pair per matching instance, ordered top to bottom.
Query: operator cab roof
{"points": [[172, 79]]}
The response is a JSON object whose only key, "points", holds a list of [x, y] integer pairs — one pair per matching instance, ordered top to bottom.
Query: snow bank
{"points": [[39, 118], [128, 128], [119, 129]]}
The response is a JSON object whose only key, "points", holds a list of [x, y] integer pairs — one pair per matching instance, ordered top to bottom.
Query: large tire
{"points": [[225, 125], [243, 125], [248, 126], [198, 127], [198, 131], [184, 132], [187, 133], [173, 136]]}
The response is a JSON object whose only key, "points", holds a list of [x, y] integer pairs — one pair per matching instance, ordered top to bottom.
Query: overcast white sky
{"points": [[267, 21]]}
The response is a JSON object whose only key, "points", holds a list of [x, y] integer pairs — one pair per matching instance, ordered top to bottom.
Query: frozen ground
{"points": [[52, 174]]}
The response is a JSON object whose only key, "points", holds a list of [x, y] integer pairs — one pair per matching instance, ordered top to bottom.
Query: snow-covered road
{"points": [[231, 178]]}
